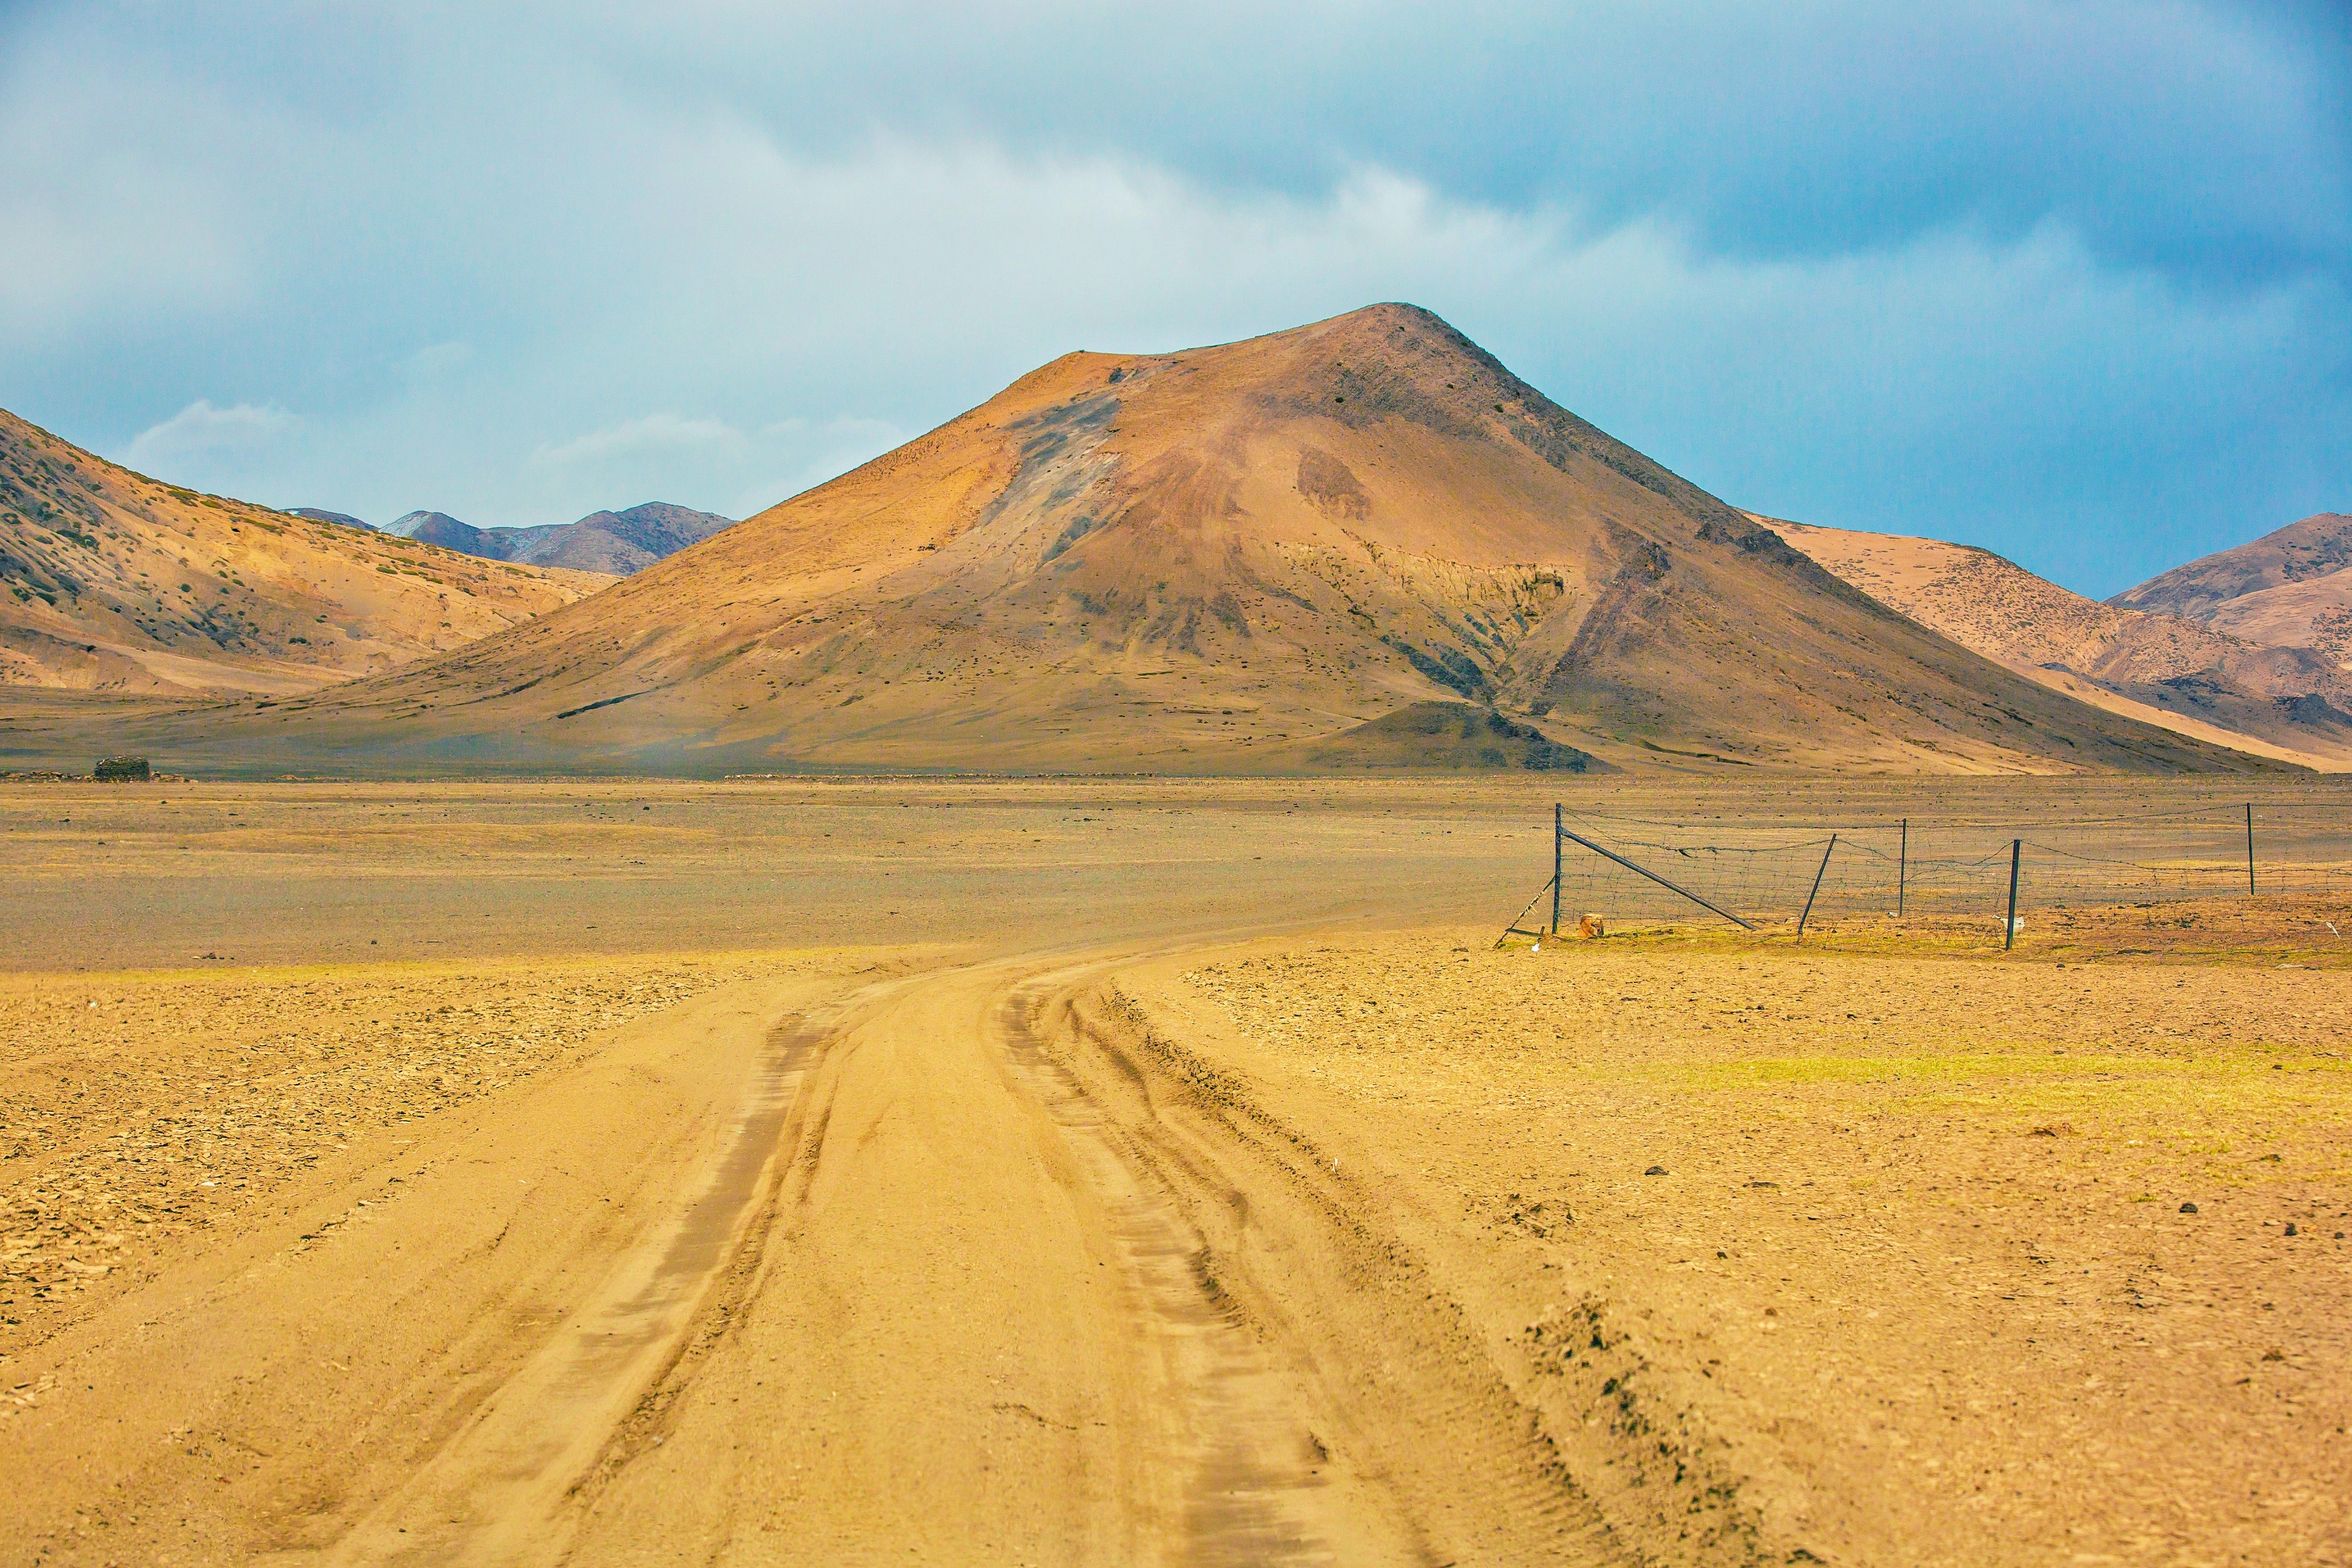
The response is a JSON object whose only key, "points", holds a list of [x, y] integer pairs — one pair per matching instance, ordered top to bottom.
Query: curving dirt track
{"points": [[927, 1268]]}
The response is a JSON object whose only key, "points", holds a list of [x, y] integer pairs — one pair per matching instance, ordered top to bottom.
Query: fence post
{"points": [[1556, 825], [2250, 849], [1902, 867], [1817, 887], [2009, 927]]}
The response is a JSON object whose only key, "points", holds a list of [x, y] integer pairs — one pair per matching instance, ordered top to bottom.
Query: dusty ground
{"points": [[146, 1110], [605, 1172], [1913, 1284]]}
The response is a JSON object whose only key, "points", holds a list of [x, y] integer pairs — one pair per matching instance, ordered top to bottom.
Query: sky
{"points": [[2071, 280]]}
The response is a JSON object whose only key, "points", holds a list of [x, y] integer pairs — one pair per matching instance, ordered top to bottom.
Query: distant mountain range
{"points": [[618, 543], [1360, 544]]}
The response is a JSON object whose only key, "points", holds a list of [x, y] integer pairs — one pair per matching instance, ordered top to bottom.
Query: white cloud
{"points": [[730, 216], [201, 432], [630, 437]]}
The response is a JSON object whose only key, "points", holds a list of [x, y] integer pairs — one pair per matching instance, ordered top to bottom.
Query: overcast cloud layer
{"points": [[2073, 281]]}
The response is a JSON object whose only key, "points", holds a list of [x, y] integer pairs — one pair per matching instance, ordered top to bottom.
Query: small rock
{"points": [[1655, 1171], [2188, 1208], [2290, 1228]]}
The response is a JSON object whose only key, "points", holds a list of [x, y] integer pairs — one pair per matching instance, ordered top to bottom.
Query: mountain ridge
{"points": [[615, 542], [1214, 559], [113, 582], [2291, 587], [2180, 674]]}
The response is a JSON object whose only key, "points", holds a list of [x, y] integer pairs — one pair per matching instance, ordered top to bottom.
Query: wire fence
{"points": [[1762, 875]]}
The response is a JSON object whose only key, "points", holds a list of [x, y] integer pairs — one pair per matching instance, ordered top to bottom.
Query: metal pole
{"points": [[1557, 827], [2250, 849], [1902, 867], [1645, 871], [1817, 887], [2009, 927]]}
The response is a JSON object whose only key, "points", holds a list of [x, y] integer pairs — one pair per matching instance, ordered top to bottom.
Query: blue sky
{"points": [[2070, 280]]}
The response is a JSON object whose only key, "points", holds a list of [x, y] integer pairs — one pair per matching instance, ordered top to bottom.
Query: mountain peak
{"points": [[1221, 558]]}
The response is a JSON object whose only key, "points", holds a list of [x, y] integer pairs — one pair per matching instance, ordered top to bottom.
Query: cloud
{"points": [[2213, 138], [106, 214], [2071, 283], [200, 432], [630, 437]]}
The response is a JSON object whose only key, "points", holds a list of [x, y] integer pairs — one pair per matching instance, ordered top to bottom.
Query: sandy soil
{"points": [[148, 1110], [597, 1178], [1911, 1281]]}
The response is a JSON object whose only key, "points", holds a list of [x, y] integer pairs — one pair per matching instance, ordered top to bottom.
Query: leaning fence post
{"points": [[1555, 826], [2250, 849], [1902, 867], [1652, 875], [1817, 887], [2009, 927]]}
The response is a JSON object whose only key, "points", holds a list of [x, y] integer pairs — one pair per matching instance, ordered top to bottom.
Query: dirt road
{"points": [[573, 1247], [853, 1270]]}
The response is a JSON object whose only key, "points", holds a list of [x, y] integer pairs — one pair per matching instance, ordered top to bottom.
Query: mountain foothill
{"points": [[1361, 544], [117, 585], [2290, 699]]}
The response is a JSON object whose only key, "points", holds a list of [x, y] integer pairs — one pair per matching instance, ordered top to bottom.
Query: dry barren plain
{"points": [[1061, 1171]]}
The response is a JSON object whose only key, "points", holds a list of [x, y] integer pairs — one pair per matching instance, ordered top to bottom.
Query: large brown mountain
{"points": [[1273, 555], [111, 582], [2292, 587], [2283, 702]]}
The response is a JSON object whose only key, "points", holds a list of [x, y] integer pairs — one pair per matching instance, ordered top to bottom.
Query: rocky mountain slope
{"points": [[1227, 559], [111, 582], [2292, 587], [2189, 677]]}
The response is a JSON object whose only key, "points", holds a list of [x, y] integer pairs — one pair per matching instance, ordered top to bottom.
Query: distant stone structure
{"points": [[120, 770]]}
